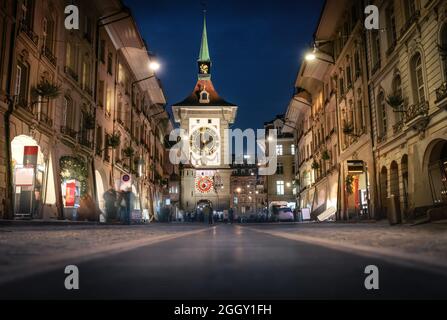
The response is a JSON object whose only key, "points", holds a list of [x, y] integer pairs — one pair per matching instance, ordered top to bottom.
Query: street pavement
{"points": [[230, 262]]}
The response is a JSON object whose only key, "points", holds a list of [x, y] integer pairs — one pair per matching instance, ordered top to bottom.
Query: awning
{"points": [[332, 12], [126, 38], [300, 103]]}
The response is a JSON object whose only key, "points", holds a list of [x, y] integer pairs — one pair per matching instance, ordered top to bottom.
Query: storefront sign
{"points": [[30, 155], [356, 166], [24, 177], [126, 182], [70, 193]]}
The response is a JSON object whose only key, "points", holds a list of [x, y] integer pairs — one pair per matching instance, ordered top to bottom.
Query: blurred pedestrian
{"points": [[110, 198], [121, 204], [129, 204], [210, 215], [231, 215]]}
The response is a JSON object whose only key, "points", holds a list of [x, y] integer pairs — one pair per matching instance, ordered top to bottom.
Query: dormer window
{"points": [[204, 97]]}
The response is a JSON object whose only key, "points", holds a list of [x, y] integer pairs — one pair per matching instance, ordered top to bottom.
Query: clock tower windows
{"points": [[204, 97]]}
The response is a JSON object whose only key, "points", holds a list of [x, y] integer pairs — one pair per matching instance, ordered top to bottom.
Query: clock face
{"points": [[204, 68], [204, 141], [204, 184]]}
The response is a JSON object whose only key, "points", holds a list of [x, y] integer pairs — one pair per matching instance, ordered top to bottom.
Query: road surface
{"points": [[231, 262]]}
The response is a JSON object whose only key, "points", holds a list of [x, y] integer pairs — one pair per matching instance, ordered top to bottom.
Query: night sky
{"points": [[255, 46]]}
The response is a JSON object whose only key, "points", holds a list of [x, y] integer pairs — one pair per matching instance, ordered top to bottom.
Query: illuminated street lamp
{"points": [[314, 55], [311, 56], [154, 66]]}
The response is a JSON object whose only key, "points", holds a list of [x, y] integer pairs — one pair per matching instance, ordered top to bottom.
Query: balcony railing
{"points": [[25, 28], [47, 53], [70, 72], [441, 92], [23, 103], [416, 110], [45, 119], [398, 127], [68, 132], [86, 142]]}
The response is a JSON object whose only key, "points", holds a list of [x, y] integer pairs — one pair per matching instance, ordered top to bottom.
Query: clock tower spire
{"points": [[204, 61], [204, 117]]}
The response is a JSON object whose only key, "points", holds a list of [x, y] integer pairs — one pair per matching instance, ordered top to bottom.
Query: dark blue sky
{"points": [[256, 47]]}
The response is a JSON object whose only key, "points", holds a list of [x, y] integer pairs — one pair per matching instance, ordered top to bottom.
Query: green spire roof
{"points": [[204, 54]]}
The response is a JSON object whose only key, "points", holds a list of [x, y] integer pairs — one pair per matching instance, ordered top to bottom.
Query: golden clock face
{"points": [[204, 68], [204, 141]]}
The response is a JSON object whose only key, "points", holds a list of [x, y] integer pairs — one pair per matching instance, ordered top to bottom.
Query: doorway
{"points": [[437, 172]]}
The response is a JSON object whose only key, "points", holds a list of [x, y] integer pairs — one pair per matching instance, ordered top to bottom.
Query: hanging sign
{"points": [[30, 155], [356, 166], [24, 177], [126, 182], [70, 193]]}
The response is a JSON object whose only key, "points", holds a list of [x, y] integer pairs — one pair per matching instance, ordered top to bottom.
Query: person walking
{"points": [[110, 198], [129, 200], [122, 203], [230, 215], [210, 216]]}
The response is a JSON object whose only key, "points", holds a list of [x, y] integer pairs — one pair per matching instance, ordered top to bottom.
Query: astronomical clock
{"points": [[204, 184]]}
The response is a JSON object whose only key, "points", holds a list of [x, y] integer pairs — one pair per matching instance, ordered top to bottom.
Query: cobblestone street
{"points": [[170, 261]]}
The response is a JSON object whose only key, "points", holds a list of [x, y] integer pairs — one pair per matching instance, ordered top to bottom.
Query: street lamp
{"points": [[313, 55], [154, 66]]}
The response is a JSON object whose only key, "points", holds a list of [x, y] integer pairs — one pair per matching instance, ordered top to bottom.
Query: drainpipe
{"points": [[340, 180], [9, 189]]}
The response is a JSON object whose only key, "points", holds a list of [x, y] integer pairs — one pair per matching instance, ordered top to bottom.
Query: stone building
{"points": [[341, 34], [407, 86], [382, 116], [78, 120], [281, 186], [248, 190]]}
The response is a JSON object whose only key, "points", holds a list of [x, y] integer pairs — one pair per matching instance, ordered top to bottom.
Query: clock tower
{"points": [[204, 115]]}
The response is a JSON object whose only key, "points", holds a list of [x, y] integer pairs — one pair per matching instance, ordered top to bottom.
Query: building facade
{"points": [[407, 86], [369, 112], [78, 121], [281, 186], [249, 195]]}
